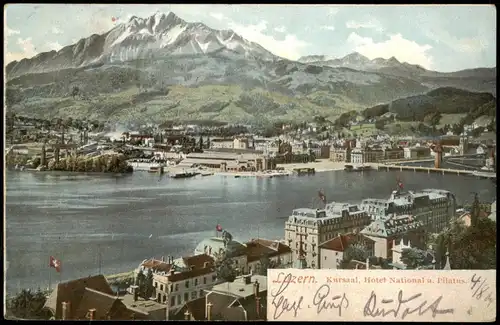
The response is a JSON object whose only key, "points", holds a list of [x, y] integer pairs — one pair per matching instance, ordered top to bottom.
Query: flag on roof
{"points": [[218, 228]]}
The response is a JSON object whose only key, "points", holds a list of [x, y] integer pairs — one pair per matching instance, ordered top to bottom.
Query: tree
{"points": [[75, 91], [379, 124], [201, 142], [470, 248], [354, 252], [415, 258], [264, 264], [224, 268], [140, 281], [148, 284], [27, 305]]}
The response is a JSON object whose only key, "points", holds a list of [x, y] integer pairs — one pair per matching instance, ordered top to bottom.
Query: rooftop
{"points": [[395, 225], [341, 242], [256, 249], [156, 265], [240, 288], [73, 291], [141, 304]]}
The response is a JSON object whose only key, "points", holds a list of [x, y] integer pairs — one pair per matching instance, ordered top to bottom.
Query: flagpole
{"points": [[50, 279]]}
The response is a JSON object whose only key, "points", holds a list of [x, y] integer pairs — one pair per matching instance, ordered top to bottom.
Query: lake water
{"points": [[134, 217]]}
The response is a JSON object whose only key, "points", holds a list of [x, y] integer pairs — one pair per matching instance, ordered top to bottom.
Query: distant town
{"points": [[88, 146], [402, 229]]}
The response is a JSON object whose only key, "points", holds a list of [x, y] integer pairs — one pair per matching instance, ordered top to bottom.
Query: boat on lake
{"points": [[184, 175]]}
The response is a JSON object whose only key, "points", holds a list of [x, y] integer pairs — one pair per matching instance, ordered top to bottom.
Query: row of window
{"points": [[175, 287], [177, 300]]}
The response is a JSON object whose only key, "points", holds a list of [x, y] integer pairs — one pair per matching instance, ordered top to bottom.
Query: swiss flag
{"points": [[218, 228], [55, 263]]}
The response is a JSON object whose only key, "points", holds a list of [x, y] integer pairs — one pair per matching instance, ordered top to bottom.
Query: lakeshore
{"points": [[320, 165]]}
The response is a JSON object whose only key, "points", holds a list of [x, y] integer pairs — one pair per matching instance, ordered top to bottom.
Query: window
{"points": [[214, 277], [204, 280], [195, 282], [156, 284], [187, 284], [161, 287], [176, 287], [201, 293], [193, 294], [186, 297], [164, 298], [179, 299], [172, 301]]}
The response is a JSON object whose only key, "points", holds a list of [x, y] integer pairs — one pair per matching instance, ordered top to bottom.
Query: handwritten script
{"points": [[481, 290], [380, 295]]}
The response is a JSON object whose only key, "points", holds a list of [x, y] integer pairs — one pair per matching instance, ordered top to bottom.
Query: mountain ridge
{"points": [[147, 61]]}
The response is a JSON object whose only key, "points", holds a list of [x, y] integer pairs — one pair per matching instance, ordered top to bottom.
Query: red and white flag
{"points": [[400, 184], [218, 228], [55, 263]]}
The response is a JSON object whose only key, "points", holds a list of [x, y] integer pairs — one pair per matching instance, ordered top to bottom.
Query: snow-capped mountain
{"points": [[157, 36]]}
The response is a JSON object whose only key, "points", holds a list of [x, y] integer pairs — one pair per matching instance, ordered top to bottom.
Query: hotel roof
{"points": [[394, 226]]}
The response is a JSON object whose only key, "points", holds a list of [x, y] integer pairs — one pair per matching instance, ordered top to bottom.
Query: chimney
{"points": [[163, 258], [367, 263], [205, 265], [191, 267], [247, 279], [256, 287], [257, 306], [66, 310], [209, 311], [92, 313]]}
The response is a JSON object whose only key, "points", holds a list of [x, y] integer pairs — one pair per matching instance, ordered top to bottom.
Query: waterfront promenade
{"points": [[320, 165]]}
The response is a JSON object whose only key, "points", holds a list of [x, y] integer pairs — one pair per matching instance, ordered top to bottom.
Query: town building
{"points": [[221, 143], [417, 152], [394, 153], [340, 154], [363, 154], [229, 161], [436, 206], [307, 228], [385, 232], [233, 249], [332, 251], [277, 254], [397, 254], [248, 257], [177, 284], [90, 298], [244, 299], [144, 309]]}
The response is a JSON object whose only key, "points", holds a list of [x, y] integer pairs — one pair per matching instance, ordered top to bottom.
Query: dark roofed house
{"points": [[332, 251], [279, 254], [198, 261], [75, 299], [245, 299], [191, 310]]}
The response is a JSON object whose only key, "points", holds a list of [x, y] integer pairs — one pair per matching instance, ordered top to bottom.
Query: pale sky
{"points": [[442, 38]]}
